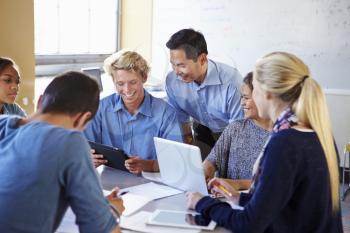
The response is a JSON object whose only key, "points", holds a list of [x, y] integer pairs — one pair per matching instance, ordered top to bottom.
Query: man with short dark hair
{"points": [[201, 88], [46, 165]]}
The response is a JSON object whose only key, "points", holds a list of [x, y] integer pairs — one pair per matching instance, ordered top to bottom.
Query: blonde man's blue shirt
{"points": [[215, 103], [113, 125]]}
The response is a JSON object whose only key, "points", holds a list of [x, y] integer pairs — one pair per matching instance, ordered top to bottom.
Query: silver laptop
{"points": [[94, 72], [180, 165]]}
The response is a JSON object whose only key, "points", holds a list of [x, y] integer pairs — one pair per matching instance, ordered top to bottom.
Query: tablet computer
{"points": [[115, 157], [180, 219]]}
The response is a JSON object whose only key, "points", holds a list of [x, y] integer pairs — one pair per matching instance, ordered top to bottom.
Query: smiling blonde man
{"points": [[130, 118]]}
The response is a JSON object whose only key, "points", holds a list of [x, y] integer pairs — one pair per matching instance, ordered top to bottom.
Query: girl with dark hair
{"points": [[9, 87], [238, 147]]}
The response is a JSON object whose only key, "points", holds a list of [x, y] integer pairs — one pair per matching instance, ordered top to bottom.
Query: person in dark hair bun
{"points": [[201, 89]]}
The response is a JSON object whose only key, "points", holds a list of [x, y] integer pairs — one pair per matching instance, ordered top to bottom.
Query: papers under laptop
{"points": [[180, 165], [137, 196]]}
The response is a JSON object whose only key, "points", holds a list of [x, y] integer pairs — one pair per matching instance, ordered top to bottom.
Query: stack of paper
{"points": [[154, 176], [152, 190], [138, 196], [133, 202], [68, 223]]}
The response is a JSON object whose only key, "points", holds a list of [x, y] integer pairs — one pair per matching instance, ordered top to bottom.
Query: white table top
{"points": [[111, 178]]}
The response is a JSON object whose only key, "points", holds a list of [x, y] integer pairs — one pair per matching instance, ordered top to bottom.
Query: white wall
{"points": [[240, 31], [17, 42], [338, 105]]}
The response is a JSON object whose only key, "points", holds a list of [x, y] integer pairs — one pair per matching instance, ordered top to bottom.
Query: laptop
{"points": [[94, 72], [180, 165]]}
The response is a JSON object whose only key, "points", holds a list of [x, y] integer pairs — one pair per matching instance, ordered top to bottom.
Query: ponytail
{"points": [[286, 76], [311, 109]]}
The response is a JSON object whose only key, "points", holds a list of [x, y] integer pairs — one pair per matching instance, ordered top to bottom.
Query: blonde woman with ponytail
{"points": [[295, 186]]}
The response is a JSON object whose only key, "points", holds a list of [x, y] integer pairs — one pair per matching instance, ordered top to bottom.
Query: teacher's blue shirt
{"points": [[215, 103], [113, 125]]}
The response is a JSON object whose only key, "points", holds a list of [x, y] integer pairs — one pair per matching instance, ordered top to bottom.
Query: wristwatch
{"points": [[115, 213]]}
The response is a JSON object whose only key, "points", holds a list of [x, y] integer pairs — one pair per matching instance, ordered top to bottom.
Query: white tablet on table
{"points": [[180, 219]]}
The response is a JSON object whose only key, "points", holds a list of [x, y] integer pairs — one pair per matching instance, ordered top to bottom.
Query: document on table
{"points": [[155, 176], [152, 190], [138, 196], [133, 202], [138, 221], [68, 223]]}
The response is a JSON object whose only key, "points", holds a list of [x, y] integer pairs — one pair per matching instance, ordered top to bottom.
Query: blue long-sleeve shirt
{"points": [[215, 103], [113, 125], [43, 170], [292, 194]]}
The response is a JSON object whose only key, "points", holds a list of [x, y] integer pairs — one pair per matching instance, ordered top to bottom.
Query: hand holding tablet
{"points": [[115, 157]]}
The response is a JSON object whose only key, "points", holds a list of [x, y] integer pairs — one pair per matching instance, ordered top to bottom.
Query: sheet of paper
{"points": [[154, 176], [152, 190], [106, 192], [133, 202], [235, 206], [138, 221], [68, 223]]}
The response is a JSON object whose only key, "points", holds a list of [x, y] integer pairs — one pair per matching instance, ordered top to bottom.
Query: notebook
{"points": [[180, 165]]}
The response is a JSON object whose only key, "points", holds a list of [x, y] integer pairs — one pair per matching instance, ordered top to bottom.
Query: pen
{"points": [[222, 188], [122, 193]]}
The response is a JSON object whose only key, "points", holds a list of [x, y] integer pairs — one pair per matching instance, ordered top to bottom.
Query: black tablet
{"points": [[115, 157]]}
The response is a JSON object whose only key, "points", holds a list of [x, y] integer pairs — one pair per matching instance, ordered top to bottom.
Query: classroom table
{"points": [[111, 178]]}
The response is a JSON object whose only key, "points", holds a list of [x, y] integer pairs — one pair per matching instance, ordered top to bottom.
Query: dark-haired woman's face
{"points": [[9, 85], [260, 98], [247, 103]]}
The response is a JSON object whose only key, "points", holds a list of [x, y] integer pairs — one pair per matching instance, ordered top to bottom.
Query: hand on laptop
{"points": [[97, 158], [136, 165]]}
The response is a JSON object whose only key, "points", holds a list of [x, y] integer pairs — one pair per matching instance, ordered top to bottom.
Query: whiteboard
{"points": [[238, 32]]}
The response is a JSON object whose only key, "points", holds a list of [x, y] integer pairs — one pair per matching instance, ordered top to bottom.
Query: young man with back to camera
{"points": [[46, 164]]}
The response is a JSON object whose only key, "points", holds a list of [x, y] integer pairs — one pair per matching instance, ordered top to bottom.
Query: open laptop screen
{"points": [[94, 72], [180, 165]]}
